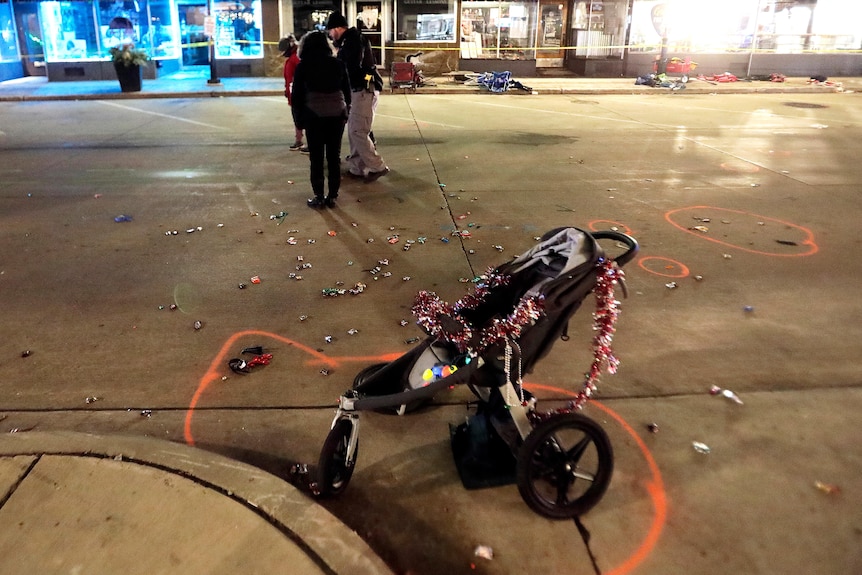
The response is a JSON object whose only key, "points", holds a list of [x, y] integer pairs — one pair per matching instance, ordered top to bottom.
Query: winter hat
{"points": [[336, 20]]}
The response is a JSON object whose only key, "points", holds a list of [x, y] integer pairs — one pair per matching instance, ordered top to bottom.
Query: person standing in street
{"points": [[289, 50], [365, 82], [321, 100]]}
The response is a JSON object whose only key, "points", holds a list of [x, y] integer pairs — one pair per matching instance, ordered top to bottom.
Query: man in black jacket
{"points": [[355, 51]]}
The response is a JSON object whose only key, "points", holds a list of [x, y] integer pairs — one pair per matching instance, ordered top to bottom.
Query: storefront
{"points": [[625, 37], [750, 37], [71, 39]]}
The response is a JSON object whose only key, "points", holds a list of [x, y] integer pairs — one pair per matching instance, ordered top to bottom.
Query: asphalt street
{"points": [[133, 230]]}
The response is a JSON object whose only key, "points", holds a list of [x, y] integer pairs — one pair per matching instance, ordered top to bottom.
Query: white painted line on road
{"points": [[168, 116], [410, 120], [414, 120]]}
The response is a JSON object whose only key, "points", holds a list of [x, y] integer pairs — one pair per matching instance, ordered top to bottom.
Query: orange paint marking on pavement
{"points": [[809, 242], [669, 264], [386, 357], [216, 367], [215, 370], [654, 486]]}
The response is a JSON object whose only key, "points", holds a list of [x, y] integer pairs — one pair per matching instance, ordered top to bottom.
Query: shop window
{"points": [[310, 16], [425, 20], [122, 23], [779, 26], [599, 28], [70, 30], [238, 30], [498, 30], [164, 39], [8, 45]]}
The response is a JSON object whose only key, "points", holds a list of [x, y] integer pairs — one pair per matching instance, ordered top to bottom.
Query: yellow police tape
{"points": [[639, 48]]}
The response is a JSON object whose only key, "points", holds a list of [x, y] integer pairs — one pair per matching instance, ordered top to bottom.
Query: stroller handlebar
{"points": [[630, 243]]}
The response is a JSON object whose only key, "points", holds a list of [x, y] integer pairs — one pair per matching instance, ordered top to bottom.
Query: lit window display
{"points": [[309, 15], [425, 20], [779, 26], [238, 28], [599, 28], [164, 29], [87, 30], [498, 30], [70, 31], [8, 46]]}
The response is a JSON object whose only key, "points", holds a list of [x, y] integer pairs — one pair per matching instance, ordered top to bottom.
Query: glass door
{"points": [[369, 19], [552, 34], [192, 37], [30, 41]]}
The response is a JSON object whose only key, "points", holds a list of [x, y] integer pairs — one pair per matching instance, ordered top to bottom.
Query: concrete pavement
{"points": [[185, 510]]}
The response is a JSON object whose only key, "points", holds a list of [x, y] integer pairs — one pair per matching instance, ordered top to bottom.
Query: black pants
{"points": [[324, 141]]}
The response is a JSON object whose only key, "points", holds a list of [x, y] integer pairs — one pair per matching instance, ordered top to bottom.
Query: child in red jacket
{"points": [[288, 48]]}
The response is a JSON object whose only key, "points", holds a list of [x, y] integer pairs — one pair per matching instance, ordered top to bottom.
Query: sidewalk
{"points": [[38, 88], [81, 503]]}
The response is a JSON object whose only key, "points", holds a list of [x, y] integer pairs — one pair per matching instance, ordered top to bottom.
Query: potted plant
{"points": [[127, 62]]}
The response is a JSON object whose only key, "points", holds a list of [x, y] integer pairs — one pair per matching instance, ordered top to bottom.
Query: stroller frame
{"points": [[551, 447]]}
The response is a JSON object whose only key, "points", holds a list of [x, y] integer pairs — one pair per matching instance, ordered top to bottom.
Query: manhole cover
{"points": [[804, 105]]}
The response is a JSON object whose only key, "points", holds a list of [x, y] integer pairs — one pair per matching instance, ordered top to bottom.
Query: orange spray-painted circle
{"points": [[800, 240], [670, 268], [654, 486]]}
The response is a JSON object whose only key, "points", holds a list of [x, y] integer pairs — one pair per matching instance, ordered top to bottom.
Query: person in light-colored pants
{"points": [[363, 158]]}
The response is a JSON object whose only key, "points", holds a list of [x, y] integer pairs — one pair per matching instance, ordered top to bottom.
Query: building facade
{"points": [[70, 40]]}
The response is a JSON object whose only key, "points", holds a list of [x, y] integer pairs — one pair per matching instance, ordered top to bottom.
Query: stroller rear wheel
{"points": [[565, 466], [334, 470]]}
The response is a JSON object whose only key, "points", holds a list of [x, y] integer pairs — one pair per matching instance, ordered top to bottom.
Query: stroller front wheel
{"points": [[564, 466], [334, 469]]}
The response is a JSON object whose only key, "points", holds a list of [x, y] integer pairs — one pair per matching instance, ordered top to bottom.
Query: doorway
{"points": [[369, 19], [552, 34], [30, 38], [194, 40]]}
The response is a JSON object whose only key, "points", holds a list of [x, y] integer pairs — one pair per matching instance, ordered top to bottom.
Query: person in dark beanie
{"points": [[289, 49], [365, 82], [321, 100]]}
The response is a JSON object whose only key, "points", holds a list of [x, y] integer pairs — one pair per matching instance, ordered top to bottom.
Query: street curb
{"points": [[285, 507]]}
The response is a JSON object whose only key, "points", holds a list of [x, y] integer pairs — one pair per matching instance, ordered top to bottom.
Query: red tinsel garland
{"points": [[430, 310], [604, 321]]}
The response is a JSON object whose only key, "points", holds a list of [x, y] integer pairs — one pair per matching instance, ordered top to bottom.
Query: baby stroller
{"points": [[496, 82], [561, 460]]}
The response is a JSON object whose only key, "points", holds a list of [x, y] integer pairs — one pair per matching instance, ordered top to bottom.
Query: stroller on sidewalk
{"points": [[561, 460]]}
